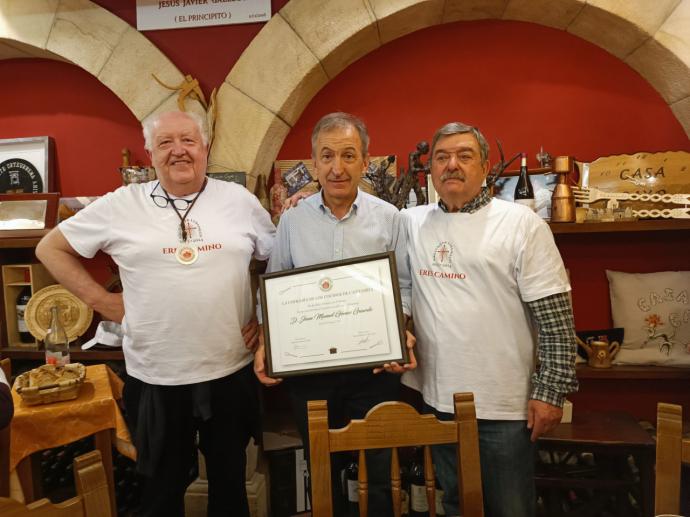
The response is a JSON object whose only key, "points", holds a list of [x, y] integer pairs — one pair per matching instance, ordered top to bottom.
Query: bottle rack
{"points": [[14, 278]]}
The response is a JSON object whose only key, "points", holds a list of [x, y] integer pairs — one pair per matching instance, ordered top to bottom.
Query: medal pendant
{"points": [[187, 254]]}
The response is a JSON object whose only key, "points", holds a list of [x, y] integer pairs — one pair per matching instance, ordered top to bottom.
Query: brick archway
{"points": [[85, 34], [301, 48]]}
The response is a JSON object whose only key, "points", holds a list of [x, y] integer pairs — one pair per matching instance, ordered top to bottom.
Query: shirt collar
{"points": [[480, 200], [353, 209]]}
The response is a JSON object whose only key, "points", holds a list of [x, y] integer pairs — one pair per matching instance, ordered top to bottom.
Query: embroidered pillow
{"points": [[654, 310]]}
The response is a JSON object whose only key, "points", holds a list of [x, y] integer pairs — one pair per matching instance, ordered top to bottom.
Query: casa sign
{"points": [[182, 14]]}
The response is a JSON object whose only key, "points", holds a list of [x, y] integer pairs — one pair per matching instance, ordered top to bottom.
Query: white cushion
{"points": [[654, 310]]}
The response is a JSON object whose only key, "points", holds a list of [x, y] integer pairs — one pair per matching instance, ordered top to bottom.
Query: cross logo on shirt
{"points": [[443, 253]]}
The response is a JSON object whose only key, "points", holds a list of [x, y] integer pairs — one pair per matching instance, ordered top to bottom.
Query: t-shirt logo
{"points": [[443, 254]]}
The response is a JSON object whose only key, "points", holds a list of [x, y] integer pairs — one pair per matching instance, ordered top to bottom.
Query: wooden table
{"points": [[95, 412], [610, 437]]}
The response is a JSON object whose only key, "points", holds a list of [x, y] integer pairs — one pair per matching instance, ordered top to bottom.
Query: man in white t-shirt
{"points": [[183, 246], [486, 274]]}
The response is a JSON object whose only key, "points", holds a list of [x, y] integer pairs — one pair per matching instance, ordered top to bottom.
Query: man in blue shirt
{"points": [[337, 223]]}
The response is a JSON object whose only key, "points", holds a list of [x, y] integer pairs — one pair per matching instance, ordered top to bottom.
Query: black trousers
{"points": [[350, 395], [164, 421]]}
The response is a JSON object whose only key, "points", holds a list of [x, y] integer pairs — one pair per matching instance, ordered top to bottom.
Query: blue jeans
{"points": [[507, 459]]}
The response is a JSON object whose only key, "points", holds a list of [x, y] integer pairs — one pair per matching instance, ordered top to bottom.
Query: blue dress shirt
{"points": [[310, 234]]}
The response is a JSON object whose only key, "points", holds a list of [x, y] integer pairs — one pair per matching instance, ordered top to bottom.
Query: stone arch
{"points": [[83, 33], [302, 48]]}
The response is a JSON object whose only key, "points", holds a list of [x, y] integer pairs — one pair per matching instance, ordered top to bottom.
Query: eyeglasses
{"points": [[180, 204]]}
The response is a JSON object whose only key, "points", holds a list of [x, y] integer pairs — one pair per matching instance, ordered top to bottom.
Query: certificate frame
{"points": [[29, 161], [354, 304]]}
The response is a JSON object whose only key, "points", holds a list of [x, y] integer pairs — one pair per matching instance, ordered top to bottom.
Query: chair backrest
{"points": [[393, 425], [5, 441], [671, 451], [92, 498]]}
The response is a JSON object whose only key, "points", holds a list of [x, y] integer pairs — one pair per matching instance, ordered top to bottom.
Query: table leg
{"points": [[103, 443], [645, 462], [29, 472]]}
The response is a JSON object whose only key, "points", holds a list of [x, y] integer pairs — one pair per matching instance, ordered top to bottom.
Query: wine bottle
{"points": [[524, 193], [23, 298], [57, 345], [352, 482], [419, 506], [440, 510]]}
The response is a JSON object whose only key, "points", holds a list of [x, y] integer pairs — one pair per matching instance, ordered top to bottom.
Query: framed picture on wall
{"points": [[26, 165]]}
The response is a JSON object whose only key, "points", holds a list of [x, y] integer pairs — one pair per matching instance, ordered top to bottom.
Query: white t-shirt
{"points": [[471, 274], [182, 322]]}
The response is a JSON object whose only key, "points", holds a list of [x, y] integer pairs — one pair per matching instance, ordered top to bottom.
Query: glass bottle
{"points": [[524, 193], [23, 298], [56, 342], [352, 481], [419, 507], [440, 510]]}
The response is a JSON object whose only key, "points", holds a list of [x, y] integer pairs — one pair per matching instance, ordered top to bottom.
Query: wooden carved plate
{"points": [[75, 315]]}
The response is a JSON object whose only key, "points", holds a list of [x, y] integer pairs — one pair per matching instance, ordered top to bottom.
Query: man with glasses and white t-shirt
{"points": [[183, 246]]}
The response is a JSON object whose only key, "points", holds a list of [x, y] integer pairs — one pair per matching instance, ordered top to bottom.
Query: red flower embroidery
{"points": [[653, 320]]}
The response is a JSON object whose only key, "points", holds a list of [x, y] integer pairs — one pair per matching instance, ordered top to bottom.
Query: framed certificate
{"points": [[26, 165], [341, 315]]}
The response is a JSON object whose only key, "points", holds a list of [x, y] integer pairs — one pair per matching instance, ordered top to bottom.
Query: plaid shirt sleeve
{"points": [[556, 349]]}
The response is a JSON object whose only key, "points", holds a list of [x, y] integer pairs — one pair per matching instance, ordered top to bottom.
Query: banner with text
{"points": [[182, 14]]}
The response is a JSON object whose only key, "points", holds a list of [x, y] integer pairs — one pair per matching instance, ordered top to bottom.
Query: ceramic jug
{"points": [[600, 353]]}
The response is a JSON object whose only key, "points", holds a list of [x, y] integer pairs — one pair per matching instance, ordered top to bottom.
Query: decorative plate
{"points": [[75, 315]]}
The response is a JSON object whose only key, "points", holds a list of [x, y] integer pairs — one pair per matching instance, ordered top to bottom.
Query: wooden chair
{"points": [[393, 425], [5, 442], [671, 451], [92, 498]]}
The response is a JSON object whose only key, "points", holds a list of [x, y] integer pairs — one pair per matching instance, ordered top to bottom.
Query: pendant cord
{"points": [[189, 208]]}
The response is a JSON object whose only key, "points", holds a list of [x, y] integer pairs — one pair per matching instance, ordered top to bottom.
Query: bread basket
{"points": [[50, 383]]}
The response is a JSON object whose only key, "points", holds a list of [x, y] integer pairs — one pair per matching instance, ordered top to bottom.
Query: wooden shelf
{"points": [[647, 225], [21, 238], [76, 354], [632, 372]]}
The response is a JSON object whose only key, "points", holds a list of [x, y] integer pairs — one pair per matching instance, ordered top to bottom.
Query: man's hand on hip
{"points": [[111, 306], [542, 417]]}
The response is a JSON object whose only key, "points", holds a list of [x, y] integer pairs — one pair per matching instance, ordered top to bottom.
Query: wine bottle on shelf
{"points": [[524, 193], [23, 298], [56, 342]]}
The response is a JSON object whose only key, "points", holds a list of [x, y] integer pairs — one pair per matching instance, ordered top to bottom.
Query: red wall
{"points": [[522, 83], [525, 84]]}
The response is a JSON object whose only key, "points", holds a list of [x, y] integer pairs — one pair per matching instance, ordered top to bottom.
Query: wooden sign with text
{"points": [[643, 173]]}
